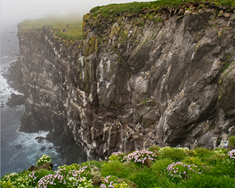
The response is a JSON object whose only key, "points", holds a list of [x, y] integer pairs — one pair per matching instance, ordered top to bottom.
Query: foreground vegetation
{"points": [[72, 32], [155, 168]]}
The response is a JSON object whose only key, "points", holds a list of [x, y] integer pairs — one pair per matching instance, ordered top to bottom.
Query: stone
{"points": [[181, 12], [187, 12], [221, 13], [227, 15], [115, 30], [226, 96], [15, 100], [150, 118], [231, 131], [40, 139], [19, 146], [43, 148], [47, 166], [96, 176]]}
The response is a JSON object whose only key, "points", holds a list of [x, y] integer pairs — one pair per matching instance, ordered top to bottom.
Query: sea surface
{"points": [[19, 150]]}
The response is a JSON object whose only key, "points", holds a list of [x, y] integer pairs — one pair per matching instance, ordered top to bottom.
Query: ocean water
{"points": [[19, 150]]}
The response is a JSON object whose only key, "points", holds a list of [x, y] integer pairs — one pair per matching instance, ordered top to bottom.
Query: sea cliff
{"points": [[159, 76]]}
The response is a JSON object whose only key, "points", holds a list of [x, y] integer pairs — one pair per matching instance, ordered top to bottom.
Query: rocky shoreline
{"points": [[14, 78], [69, 152]]}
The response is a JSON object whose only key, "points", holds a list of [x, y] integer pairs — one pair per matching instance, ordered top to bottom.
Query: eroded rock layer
{"points": [[133, 82]]}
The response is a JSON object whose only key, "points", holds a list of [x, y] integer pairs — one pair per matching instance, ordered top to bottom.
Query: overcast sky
{"points": [[19, 10]]}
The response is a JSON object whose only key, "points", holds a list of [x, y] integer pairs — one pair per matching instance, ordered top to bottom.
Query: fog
{"points": [[15, 11]]}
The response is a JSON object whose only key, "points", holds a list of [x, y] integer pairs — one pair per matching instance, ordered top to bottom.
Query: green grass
{"points": [[139, 7], [57, 24], [203, 152], [172, 153], [160, 166], [115, 168], [41, 173], [145, 178], [207, 181]]}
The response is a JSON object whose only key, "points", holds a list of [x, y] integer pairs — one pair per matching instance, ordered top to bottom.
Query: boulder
{"points": [[16, 100], [47, 166]]}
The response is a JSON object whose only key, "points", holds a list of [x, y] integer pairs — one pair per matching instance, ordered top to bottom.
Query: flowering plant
{"points": [[220, 151], [232, 154], [117, 156], [140, 156], [43, 159], [73, 166], [65, 169], [180, 170], [83, 172], [75, 176], [63, 178], [25, 179], [52, 180], [108, 181], [112, 181], [82, 182], [121, 185]]}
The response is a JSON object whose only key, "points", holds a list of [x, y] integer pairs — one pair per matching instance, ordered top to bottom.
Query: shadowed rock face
{"points": [[129, 87]]}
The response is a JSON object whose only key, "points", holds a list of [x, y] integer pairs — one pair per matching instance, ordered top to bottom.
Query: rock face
{"points": [[134, 82]]}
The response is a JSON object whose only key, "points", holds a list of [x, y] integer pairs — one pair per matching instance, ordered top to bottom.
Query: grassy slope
{"points": [[57, 23]]}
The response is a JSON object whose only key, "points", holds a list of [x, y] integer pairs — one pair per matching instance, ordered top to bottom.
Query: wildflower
{"points": [[231, 154], [176, 169]]}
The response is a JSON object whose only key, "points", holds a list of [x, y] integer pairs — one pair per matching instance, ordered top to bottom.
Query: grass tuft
{"points": [[115, 168]]}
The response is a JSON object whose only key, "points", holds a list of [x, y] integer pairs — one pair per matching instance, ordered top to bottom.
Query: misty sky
{"points": [[19, 10]]}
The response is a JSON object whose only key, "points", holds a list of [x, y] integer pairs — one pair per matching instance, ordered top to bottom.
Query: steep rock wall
{"points": [[49, 75], [133, 82]]}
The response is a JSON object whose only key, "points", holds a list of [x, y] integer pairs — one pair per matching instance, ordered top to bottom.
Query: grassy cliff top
{"points": [[140, 7], [72, 32]]}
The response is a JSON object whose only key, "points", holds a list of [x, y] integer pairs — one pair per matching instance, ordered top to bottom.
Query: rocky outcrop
{"points": [[133, 81], [16, 100]]}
